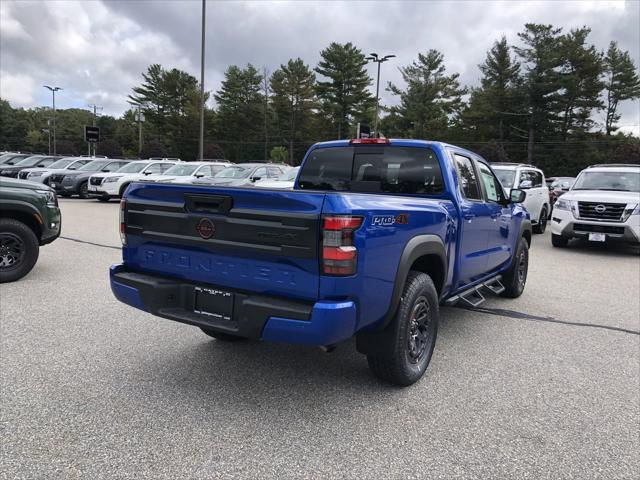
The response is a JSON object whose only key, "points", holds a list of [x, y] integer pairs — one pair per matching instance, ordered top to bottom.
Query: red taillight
{"points": [[365, 141], [123, 235], [339, 255]]}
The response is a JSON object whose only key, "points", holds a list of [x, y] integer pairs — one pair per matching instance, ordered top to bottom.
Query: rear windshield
{"points": [[373, 169]]}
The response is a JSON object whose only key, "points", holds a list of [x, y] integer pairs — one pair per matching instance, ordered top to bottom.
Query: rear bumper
{"points": [[254, 316]]}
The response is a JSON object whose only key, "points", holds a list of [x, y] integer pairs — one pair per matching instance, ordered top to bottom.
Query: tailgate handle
{"points": [[208, 203]]}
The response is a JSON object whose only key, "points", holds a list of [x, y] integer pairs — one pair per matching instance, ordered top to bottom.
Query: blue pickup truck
{"points": [[375, 236]]}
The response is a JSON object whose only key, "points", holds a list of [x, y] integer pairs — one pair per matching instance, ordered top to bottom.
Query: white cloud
{"points": [[97, 50], [16, 88]]}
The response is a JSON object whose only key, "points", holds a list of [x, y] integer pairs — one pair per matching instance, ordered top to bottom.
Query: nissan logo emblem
{"points": [[600, 208], [205, 228]]}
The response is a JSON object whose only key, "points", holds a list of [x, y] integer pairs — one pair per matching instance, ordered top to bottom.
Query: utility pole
{"points": [[373, 57], [265, 86], [53, 91], [95, 107], [139, 131], [49, 132], [201, 143]]}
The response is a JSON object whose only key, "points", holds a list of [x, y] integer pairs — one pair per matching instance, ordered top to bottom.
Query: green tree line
{"points": [[537, 102]]}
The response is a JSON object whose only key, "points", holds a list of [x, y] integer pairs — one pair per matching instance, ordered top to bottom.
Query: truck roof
{"points": [[399, 142]]}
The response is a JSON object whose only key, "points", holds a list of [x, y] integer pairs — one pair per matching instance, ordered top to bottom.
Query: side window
{"points": [[165, 166], [112, 167], [153, 168], [204, 170], [274, 172], [260, 173], [525, 176], [467, 177], [537, 179], [492, 189]]}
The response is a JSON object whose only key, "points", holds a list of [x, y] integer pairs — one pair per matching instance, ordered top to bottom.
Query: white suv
{"points": [[187, 170], [531, 179], [105, 186], [603, 205]]}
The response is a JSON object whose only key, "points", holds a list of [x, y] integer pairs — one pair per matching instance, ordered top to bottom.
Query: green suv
{"points": [[29, 217]]}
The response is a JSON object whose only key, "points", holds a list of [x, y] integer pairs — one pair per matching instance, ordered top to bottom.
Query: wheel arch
{"points": [[24, 213]]}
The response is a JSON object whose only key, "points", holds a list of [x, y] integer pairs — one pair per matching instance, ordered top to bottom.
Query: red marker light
{"points": [[369, 141]]}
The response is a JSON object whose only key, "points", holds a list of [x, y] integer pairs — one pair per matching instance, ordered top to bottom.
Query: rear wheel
{"points": [[123, 188], [83, 190], [541, 226], [559, 241], [19, 250], [515, 278], [412, 333], [225, 337]]}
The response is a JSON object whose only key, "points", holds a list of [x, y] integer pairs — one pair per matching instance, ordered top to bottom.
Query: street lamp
{"points": [[373, 57], [53, 91], [201, 139]]}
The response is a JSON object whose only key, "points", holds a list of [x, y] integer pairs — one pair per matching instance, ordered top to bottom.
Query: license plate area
{"points": [[597, 237], [216, 304]]}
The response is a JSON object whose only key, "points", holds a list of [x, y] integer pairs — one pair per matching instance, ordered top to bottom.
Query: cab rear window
{"points": [[373, 169]]}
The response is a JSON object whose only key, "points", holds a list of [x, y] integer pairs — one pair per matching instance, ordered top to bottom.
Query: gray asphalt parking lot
{"points": [[544, 386]]}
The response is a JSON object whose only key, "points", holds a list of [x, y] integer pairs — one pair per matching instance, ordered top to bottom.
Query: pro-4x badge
{"points": [[388, 220], [205, 228]]}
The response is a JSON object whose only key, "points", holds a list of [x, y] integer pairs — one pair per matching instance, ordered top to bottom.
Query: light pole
{"points": [[373, 57], [53, 91], [201, 143]]}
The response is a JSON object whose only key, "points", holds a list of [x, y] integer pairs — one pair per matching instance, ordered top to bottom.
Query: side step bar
{"points": [[473, 296]]}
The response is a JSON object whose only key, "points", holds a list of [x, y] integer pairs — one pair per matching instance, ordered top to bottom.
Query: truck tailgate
{"points": [[253, 240]]}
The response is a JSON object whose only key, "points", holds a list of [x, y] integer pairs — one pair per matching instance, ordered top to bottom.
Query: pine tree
{"points": [[540, 57], [580, 75], [621, 83], [344, 95], [431, 97], [293, 101], [497, 104], [240, 110]]}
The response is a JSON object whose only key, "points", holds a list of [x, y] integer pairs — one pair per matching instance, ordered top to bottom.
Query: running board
{"points": [[473, 296]]}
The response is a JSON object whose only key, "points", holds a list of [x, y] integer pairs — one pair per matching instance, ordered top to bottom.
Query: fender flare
{"points": [[18, 206], [525, 226], [375, 342]]}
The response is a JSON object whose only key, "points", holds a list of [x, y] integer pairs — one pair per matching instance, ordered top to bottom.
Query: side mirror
{"points": [[42, 165], [73, 168], [105, 170], [146, 173], [199, 175], [255, 179], [526, 184], [565, 186], [517, 195]]}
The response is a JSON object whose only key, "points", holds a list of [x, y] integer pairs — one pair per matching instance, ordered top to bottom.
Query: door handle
{"points": [[468, 216]]}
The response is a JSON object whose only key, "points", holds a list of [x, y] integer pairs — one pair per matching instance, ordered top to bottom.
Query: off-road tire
{"points": [[83, 190], [541, 226], [559, 241], [19, 250], [515, 279], [413, 337]]}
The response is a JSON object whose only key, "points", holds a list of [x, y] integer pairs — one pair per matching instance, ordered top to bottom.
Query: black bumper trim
{"points": [[174, 299]]}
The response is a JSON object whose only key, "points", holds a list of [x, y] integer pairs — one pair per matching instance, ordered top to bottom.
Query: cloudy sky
{"points": [[96, 50]]}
